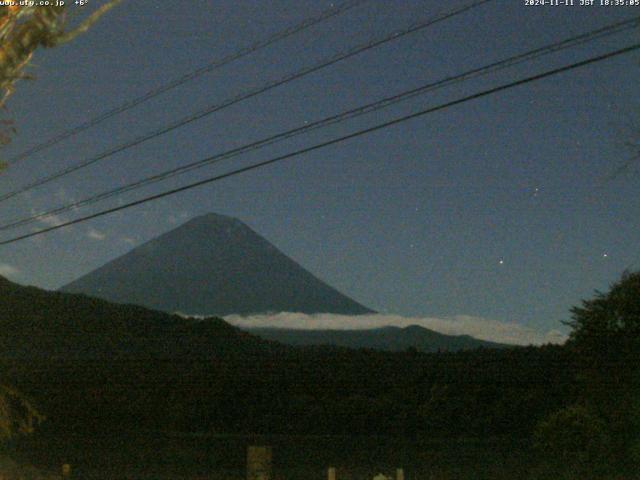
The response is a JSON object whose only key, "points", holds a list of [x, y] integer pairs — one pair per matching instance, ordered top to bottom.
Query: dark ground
{"points": [[177, 456]]}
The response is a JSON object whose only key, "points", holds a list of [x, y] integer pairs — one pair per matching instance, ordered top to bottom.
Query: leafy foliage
{"points": [[23, 29], [608, 326], [606, 342], [97, 365], [17, 414], [573, 443]]}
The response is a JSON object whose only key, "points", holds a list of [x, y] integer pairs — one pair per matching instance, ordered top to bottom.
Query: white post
{"points": [[258, 463], [331, 473], [399, 474]]}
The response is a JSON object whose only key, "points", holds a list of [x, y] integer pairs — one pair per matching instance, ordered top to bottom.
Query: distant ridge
{"points": [[213, 265], [38, 325], [392, 339], [99, 368]]}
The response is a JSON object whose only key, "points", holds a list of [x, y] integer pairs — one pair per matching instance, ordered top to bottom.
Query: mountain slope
{"points": [[213, 265], [36, 324], [387, 338], [98, 367]]}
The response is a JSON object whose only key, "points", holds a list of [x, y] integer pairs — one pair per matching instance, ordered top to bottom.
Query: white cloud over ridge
{"points": [[480, 328]]}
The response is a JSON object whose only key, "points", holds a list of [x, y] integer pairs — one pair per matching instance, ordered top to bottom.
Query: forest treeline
{"points": [[92, 366]]}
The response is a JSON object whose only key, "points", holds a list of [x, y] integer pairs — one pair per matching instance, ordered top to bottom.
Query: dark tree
{"points": [[610, 320], [606, 339], [17, 414], [573, 443]]}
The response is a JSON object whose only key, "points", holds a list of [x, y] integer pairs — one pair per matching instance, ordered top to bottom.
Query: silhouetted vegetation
{"points": [[25, 28], [96, 365], [100, 367], [17, 414], [600, 434]]}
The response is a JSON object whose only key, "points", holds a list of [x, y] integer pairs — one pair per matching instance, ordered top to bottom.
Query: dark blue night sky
{"points": [[502, 208]]}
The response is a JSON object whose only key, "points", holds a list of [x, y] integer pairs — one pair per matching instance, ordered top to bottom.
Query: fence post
{"points": [[259, 463], [66, 470], [331, 473], [399, 474]]}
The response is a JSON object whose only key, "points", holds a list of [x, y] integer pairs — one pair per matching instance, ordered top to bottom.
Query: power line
{"points": [[214, 65], [247, 95], [346, 115], [334, 141]]}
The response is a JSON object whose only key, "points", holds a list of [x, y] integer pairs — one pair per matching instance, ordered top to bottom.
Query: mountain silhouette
{"points": [[213, 265], [39, 325], [393, 339], [98, 368]]}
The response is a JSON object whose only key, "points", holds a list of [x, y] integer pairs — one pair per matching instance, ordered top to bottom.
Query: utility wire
{"points": [[210, 67], [246, 95], [346, 115], [333, 141]]}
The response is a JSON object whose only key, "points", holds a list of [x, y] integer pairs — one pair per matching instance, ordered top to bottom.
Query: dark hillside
{"points": [[391, 339], [93, 365]]}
